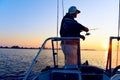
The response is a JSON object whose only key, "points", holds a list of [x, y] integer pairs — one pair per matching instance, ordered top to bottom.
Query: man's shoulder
{"points": [[69, 20]]}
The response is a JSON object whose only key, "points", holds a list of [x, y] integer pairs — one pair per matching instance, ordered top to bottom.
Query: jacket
{"points": [[70, 27]]}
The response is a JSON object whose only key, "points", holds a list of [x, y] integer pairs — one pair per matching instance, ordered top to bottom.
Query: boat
{"points": [[80, 71]]}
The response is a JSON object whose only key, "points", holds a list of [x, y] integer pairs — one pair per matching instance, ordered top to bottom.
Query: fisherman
{"points": [[71, 28]]}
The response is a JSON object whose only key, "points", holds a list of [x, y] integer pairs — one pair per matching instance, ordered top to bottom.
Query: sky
{"points": [[28, 23]]}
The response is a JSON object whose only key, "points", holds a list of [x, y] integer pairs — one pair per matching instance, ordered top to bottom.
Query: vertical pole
{"points": [[63, 6], [57, 16], [119, 19], [57, 28], [118, 35], [53, 53], [110, 53], [79, 55], [109, 58]]}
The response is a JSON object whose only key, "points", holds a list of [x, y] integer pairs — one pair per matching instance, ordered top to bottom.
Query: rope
{"points": [[63, 6], [57, 16], [119, 20], [58, 24], [57, 28]]}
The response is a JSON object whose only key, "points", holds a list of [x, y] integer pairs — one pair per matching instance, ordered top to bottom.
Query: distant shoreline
{"points": [[17, 47]]}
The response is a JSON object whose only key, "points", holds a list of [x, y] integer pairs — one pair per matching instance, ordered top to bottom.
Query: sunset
{"points": [[29, 23], [26, 24], [105, 46]]}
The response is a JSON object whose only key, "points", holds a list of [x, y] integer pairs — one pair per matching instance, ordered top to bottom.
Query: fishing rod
{"points": [[93, 29], [87, 33]]}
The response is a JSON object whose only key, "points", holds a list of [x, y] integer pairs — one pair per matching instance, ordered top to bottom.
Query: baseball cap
{"points": [[73, 9]]}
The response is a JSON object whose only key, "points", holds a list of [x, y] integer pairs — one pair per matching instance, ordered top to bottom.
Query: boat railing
{"points": [[42, 47], [109, 57]]}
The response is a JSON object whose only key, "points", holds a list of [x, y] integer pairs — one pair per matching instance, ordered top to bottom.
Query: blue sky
{"points": [[29, 22]]}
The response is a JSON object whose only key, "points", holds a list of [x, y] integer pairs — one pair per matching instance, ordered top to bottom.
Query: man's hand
{"points": [[86, 29], [83, 37]]}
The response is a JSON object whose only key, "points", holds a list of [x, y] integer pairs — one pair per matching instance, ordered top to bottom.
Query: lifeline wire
{"points": [[118, 35]]}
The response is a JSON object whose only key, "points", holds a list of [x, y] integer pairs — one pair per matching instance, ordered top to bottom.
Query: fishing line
{"points": [[93, 29]]}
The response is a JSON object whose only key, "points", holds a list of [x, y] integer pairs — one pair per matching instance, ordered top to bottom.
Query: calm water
{"points": [[14, 62]]}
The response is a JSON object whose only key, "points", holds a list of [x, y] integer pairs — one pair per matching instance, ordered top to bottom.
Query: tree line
{"points": [[18, 47]]}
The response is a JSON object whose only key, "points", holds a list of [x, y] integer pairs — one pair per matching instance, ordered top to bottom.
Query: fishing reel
{"points": [[87, 34], [83, 35]]}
